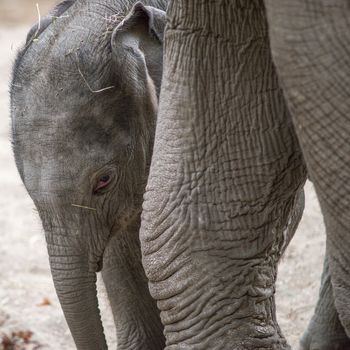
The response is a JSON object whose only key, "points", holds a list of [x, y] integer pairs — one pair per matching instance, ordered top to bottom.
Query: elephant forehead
{"points": [[49, 123], [66, 134], [59, 140], [56, 154]]}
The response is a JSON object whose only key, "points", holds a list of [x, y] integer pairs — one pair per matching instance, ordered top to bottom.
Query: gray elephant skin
{"points": [[84, 100], [230, 155], [224, 194]]}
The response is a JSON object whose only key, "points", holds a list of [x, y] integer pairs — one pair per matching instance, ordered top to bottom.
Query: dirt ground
{"points": [[27, 297]]}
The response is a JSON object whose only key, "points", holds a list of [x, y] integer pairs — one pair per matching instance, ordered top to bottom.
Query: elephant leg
{"points": [[310, 43], [223, 196], [135, 313], [325, 332]]}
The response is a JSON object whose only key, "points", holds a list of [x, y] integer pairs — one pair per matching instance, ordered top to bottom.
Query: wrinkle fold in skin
{"points": [[228, 161]]}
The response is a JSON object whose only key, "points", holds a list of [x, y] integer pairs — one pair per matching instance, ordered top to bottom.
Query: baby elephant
{"points": [[84, 99]]}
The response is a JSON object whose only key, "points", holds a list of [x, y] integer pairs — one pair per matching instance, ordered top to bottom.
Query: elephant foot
{"points": [[319, 339]]}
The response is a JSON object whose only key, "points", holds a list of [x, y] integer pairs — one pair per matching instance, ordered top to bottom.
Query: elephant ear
{"points": [[137, 48]]}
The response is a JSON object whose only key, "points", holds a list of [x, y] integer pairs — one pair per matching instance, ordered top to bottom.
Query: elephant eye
{"points": [[102, 182]]}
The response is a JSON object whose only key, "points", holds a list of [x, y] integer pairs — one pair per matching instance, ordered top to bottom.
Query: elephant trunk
{"points": [[75, 284]]}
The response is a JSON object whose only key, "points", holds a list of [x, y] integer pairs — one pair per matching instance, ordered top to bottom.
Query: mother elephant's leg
{"points": [[311, 44], [224, 181], [325, 332]]}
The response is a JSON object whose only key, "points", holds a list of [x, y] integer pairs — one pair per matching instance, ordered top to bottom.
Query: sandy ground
{"points": [[25, 281]]}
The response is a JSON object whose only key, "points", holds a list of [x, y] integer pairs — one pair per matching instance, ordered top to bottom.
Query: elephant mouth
{"points": [[99, 265]]}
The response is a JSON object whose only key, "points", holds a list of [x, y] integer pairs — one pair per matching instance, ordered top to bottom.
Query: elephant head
{"points": [[84, 98]]}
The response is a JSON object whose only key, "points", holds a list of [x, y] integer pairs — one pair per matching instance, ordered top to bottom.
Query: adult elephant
{"points": [[310, 47], [84, 99], [224, 195]]}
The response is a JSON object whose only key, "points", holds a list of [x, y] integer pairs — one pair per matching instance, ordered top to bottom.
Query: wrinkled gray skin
{"points": [[310, 46], [84, 100], [231, 170], [225, 190], [325, 331]]}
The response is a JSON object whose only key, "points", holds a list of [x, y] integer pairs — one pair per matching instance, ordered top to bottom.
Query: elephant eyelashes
{"points": [[102, 183]]}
